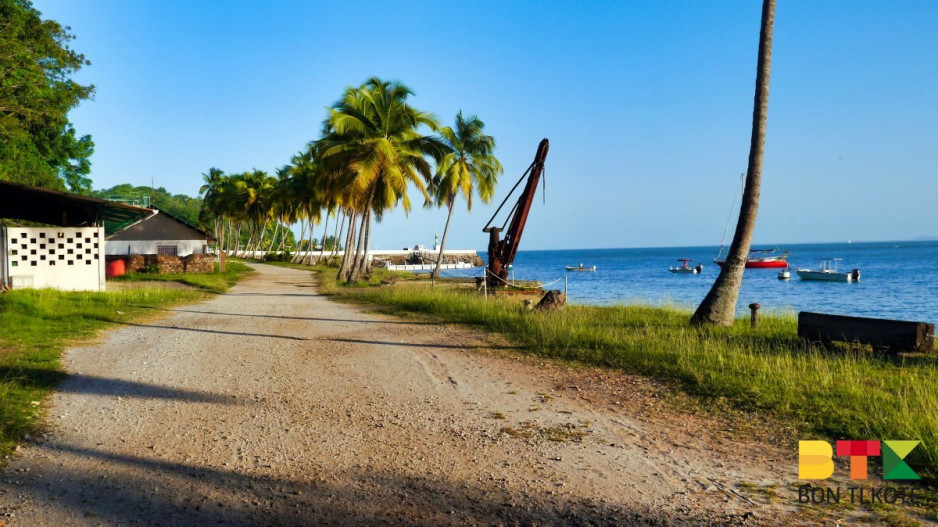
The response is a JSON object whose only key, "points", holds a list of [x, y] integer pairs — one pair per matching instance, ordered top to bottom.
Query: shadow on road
{"points": [[275, 294], [315, 319], [214, 331], [420, 345], [94, 385], [191, 494]]}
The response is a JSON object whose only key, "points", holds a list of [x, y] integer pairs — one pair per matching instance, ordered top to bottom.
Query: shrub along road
{"points": [[273, 405]]}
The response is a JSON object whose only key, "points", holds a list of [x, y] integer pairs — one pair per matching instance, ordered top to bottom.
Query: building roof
{"points": [[54, 207], [160, 226]]}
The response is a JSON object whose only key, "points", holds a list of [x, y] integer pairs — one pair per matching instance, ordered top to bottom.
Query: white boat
{"points": [[685, 267], [580, 268], [828, 272], [784, 275]]}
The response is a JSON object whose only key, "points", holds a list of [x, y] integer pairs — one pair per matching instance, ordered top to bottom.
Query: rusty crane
{"points": [[502, 251]]}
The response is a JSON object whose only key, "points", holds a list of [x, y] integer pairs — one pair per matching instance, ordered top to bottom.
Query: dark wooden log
{"points": [[554, 300], [883, 334]]}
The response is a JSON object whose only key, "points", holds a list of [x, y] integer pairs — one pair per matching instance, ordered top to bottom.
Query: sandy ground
{"points": [[272, 405]]}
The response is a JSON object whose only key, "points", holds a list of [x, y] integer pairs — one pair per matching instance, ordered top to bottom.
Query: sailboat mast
{"points": [[730, 217]]}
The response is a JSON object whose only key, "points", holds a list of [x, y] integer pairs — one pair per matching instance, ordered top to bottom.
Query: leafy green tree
{"points": [[38, 145], [467, 166]]}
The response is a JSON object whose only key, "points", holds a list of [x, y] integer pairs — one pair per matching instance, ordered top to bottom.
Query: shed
{"points": [[159, 233], [67, 255]]}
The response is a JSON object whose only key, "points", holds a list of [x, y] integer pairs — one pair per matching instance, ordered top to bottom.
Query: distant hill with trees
{"points": [[179, 205]]}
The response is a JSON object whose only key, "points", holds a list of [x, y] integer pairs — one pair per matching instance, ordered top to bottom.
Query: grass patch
{"points": [[216, 282], [36, 325], [832, 395]]}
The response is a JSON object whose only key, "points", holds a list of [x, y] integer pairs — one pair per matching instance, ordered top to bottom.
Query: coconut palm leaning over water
{"points": [[467, 165], [719, 306]]}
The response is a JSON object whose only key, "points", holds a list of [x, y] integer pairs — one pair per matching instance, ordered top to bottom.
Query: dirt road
{"points": [[274, 405]]}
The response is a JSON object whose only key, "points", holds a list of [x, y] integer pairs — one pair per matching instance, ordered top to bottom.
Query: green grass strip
{"points": [[213, 282], [36, 325]]}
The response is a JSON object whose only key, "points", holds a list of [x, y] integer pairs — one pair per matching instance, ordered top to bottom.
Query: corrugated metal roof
{"points": [[54, 207], [160, 226]]}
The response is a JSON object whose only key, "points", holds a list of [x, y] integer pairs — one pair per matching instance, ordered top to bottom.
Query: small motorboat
{"points": [[760, 259], [685, 267], [580, 268], [828, 272], [785, 274]]}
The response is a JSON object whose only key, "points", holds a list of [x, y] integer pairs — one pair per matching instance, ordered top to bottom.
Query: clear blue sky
{"points": [[647, 105]]}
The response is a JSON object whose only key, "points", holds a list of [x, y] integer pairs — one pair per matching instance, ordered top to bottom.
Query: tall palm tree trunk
{"points": [[339, 230], [224, 234], [220, 235], [273, 238], [283, 238], [322, 243], [247, 246], [259, 247], [297, 257], [308, 259], [439, 260], [366, 261], [346, 265], [355, 272], [719, 306]]}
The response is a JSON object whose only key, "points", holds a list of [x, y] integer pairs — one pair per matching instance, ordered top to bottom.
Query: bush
{"points": [[285, 256], [149, 269]]}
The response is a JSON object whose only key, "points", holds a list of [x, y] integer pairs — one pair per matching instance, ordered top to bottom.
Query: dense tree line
{"points": [[38, 144], [373, 149], [179, 205]]}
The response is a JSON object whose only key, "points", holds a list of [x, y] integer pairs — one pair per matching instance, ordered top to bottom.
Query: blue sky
{"points": [[647, 106]]}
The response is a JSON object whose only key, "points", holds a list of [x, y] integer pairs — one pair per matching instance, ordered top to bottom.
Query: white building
{"points": [[159, 233], [67, 253], [66, 258]]}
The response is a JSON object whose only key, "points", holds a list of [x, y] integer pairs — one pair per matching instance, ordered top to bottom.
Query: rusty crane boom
{"points": [[502, 251]]}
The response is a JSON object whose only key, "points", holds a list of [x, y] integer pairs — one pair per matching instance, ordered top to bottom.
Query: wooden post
{"points": [[221, 261], [754, 316]]}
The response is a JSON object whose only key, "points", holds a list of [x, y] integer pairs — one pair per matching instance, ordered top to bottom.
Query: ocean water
{"points": [[898, 279]]}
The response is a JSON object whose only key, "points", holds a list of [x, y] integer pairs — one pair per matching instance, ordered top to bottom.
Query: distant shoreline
{"points": [[923, 239]]}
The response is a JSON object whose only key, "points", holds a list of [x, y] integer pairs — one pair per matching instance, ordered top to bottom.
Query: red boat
{"points": [[762, 259]]}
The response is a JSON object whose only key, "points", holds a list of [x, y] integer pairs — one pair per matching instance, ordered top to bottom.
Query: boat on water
{"points": [[757, 258], [761, 259], [685, 267], [580, 268], [828, 272], [784, 274]]}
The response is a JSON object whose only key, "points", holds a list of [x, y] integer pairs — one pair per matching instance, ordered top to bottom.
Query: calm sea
{"points": [[899, 279]]}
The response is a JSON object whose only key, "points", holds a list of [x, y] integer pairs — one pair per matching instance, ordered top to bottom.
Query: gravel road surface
{"points": [[273, 405]]}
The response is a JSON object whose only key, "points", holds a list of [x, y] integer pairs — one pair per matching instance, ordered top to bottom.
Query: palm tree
{"points": [[372, 136], [468, 164], [214, 180], [719, 306]]}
